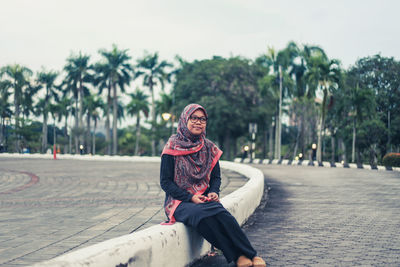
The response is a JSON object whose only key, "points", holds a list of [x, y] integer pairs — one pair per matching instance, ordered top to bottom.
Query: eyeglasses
{"points": [[195, 119]]}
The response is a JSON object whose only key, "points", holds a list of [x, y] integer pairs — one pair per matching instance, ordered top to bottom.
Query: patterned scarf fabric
{"points": [[195, 157]]}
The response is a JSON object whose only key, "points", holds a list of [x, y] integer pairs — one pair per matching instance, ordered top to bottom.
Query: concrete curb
{"points": [[325, 164], [159, 245]]}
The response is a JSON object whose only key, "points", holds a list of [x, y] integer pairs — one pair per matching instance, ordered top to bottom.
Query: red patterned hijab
{"points": [[195, 157]]}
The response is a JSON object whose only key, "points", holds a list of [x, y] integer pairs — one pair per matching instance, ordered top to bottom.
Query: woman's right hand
{"points": [[197, 199]]}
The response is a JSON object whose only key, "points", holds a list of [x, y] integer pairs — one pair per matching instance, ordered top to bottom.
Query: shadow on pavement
{"points": [[259, 223]]}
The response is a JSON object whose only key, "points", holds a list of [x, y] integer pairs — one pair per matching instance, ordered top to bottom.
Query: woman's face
{"points": [[197, 122]]}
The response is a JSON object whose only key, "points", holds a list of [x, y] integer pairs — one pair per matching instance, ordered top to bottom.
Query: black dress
{"points": [[188, 212], [210, 219]]}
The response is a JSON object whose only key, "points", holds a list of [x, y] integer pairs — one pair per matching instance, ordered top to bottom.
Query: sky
{"points": [[43, 33]]}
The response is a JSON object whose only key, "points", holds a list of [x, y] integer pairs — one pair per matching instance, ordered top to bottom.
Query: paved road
{"points": [[51, 207], [325, 217]]}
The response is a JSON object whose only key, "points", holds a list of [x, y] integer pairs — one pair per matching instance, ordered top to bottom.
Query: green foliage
{"points": [[381, 75], [227, 88], [363, 100], [138, 104], [5, 106], [370, 132], [31, 133], [127, 140], [392, 160]]}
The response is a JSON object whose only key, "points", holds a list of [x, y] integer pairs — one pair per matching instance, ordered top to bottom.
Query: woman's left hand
{"points": [[213, 196]]}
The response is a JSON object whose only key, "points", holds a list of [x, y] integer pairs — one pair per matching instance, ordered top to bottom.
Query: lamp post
{"points": [[166, 116], [7, 120], [253, 131], [54, 137], [69, 140], [245, 151], [314, 151]]}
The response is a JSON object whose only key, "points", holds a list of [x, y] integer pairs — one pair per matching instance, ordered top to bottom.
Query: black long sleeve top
{"points": [[167, 173]]}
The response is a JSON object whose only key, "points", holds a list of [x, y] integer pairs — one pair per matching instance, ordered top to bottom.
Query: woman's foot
{"points": [[243, 261], [258, 262]]}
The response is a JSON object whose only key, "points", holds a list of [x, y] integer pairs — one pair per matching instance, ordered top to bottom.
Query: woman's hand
{"points": [[213, 196], [197, 199]]}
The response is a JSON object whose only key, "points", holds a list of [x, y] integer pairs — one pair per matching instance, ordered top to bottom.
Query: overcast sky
{"points": [[39, 33]]}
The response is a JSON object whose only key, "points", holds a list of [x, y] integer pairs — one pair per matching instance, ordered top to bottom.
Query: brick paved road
{"points": [[51, 207], [326, 217]]}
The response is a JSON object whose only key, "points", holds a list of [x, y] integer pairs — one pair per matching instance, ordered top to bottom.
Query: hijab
{"points": [[195, 157]]}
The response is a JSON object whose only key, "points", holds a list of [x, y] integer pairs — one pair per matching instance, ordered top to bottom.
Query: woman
{"points": [[190, 176]]}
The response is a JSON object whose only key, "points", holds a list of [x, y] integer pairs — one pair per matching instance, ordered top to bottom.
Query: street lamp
{"points": [[166, 116], [7, 120], [253, 131], [54, 136], [246, 148], [81, 149], [314, 151]]}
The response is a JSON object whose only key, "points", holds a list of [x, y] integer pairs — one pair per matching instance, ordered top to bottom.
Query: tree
{"points": [[119, 72], [153, 73], [325, 74], [381, 74], [78, 76], [18, 77], [47, 80], [102, 81], [281, 83], [219, 85], [268, 90], [372, 90], [303, 92], [360, 101], [91, 103], [138, 104], [5, 108], [66, 109], [56, 114], [95, 117], [369, 137]]}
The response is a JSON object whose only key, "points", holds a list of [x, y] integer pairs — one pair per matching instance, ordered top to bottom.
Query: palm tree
{"points": [[278, 62], [119, 73], [153, 73], [326, 74], [78, 75], [19, 79], [47, 80], [102, 81], [266, 85], [304, 92], [27, 103], [92, 103], [359, 103], [137, 105], [66, 106], [5, 108], [120, 112], [56, 115], [95, 117]]}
